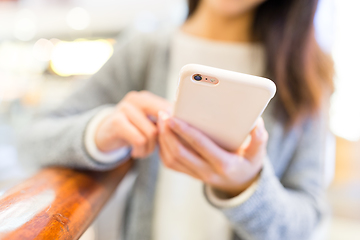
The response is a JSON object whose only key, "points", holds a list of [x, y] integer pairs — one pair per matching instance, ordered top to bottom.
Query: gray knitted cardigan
{"points": [[288, 201]]}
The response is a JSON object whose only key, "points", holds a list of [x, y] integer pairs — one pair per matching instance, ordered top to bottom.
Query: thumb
{"points": [[258, 142]]}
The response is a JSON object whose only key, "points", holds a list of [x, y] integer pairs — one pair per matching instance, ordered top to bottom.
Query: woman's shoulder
{"points": [[133, 39], [136, 49]]}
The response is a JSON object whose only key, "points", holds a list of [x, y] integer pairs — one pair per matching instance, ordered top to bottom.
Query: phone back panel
{"points": [[227, 111]]}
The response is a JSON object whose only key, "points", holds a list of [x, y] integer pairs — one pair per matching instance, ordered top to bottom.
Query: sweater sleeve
{"points": [[57, 137], [290, 207]]}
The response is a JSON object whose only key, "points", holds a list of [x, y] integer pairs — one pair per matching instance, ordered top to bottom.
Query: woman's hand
{"points": [[130, 125], [187, 150]]}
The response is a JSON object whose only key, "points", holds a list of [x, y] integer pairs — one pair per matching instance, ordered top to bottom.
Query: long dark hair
{"points": [[302, 72]]}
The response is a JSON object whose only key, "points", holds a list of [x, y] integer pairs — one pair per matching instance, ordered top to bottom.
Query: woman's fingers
{"points": [[148, 102], [138, 107], [132, 123], [142, 123], [131, 135], [257, 145], [209, 150], [184, 155], [168, 158], [172, 163], [241, 169]]}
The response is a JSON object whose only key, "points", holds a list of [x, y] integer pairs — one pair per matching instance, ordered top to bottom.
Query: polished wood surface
{"points": [[57, 203]]}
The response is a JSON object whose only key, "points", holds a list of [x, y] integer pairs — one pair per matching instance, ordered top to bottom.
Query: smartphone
{"points": [[224, 105]]}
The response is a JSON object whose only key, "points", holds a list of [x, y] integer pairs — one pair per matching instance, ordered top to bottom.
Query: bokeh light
{"points": [[78, 18], [25, 25], [42, 49], [80, 57]]}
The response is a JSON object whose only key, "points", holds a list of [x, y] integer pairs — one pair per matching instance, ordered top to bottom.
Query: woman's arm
{"points": [[57, 138], [292, 207], [289, 208]]}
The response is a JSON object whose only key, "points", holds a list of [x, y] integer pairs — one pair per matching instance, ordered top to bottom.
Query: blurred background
{"points": [[48, 47]]}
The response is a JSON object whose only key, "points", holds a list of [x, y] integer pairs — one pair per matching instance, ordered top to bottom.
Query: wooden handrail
{"points": [[57, 203]]}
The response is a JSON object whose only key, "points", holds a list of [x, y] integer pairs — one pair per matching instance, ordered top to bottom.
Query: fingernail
{"points": [[163, 115], [160, 122], [171, 122], [261, 122], [258, 131]]}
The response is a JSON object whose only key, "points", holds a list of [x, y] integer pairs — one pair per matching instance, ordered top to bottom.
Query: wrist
{"points": [[104, 137], [106, 143], [92, 148], [226, 192], [221, 201]]}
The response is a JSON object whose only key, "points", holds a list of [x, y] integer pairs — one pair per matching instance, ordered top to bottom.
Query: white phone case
{"points": [[227, 111]]}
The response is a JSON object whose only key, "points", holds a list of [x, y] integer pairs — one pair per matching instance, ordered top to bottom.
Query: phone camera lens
{"points": [[198, 77]]}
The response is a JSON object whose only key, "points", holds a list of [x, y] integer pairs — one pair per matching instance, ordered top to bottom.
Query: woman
{"points": [[270, 189]]}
